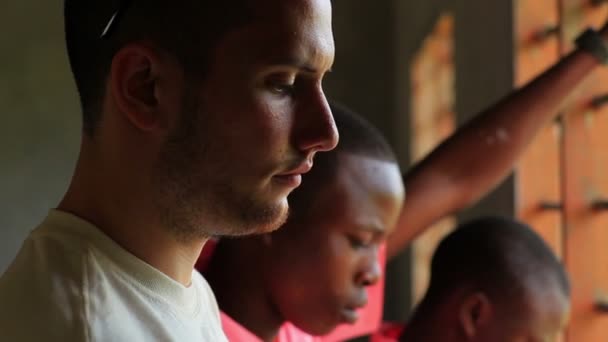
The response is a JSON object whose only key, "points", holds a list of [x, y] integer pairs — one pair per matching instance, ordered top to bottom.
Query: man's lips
{"points": [[298, 170], [358, 304], [350, 313], [349, 316]]}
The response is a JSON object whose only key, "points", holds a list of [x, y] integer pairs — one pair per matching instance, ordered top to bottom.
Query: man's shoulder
{"points": [[46, 258], [41, 292], [235, 331], [290, 333]]}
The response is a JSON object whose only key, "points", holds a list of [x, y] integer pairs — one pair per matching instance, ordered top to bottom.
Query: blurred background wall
{"points": [[39, 134]]}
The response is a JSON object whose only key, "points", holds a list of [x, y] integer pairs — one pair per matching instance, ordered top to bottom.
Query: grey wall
{"points": [[39, 134]]}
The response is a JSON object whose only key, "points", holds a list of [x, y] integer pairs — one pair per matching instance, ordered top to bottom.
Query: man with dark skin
{"points": [[199, 118], [493, 279]]}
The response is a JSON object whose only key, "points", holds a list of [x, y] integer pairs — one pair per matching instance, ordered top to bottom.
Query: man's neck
{"points": [[119, 210], [238, 285], [427, 325]]}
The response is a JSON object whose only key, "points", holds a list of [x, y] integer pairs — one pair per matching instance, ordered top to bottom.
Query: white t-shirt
{"points": [[70, 282]]}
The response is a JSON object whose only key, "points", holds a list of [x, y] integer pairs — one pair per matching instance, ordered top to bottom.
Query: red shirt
{"points": [[388, 332]]}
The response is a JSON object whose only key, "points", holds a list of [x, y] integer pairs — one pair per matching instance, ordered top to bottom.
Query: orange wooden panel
{"points": [[577, 15], [536, 40], [432, 120], [538, 172], [586, 181]]}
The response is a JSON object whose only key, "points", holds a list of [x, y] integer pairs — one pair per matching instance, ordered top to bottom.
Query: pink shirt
{"points": [[288, 333]]}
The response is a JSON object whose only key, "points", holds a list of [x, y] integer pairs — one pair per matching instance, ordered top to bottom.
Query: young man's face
{"points": [[252, 128], [320, 268]]}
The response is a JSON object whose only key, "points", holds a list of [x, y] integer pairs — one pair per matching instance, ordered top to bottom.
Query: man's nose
{"points": [[316, 129], [371, 274]]}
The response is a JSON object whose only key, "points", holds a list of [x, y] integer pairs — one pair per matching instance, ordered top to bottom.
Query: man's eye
{"points": [[281, 84], [282, 89], [357, 242]]}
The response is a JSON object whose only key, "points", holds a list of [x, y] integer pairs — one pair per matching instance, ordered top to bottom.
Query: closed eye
{"points": [[281, 84], [281, 89], [360, 243]]}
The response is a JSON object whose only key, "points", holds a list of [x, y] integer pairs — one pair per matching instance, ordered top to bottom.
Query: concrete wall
{"points": [[39, 131]]}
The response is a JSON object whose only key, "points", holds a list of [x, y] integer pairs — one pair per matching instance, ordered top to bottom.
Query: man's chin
{"points": [[257, 220], [273, 223]]}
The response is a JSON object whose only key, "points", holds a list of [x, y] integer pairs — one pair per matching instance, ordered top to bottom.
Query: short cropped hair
{"points": [[188, 29], [357, 137], [498, 256]]}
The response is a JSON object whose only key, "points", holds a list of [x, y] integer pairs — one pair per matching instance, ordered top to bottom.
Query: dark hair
{"points": [[188, 29], [357, 136], [498, 256]]}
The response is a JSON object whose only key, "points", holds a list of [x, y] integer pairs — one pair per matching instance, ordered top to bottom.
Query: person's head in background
{"points": [[199, 115], [314, 271], [492, 280]]}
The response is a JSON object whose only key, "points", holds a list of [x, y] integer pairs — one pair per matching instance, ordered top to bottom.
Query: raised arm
{"points": [[464, 167]]}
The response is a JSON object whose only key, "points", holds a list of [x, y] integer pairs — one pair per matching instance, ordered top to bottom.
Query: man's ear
{"points": [[134, 79], [475, 312]]}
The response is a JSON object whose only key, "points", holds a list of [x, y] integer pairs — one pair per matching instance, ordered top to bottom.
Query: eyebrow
{"points": [[297, 63], [294, 64]]}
